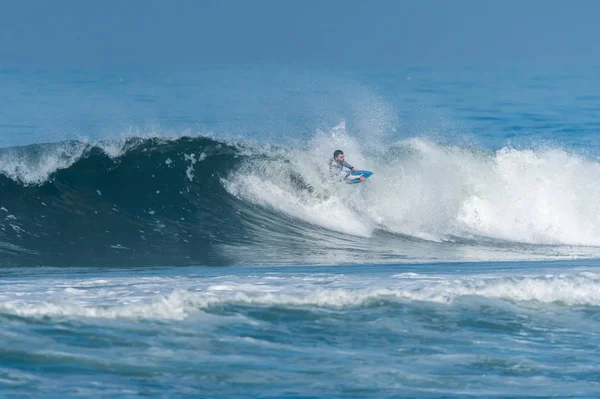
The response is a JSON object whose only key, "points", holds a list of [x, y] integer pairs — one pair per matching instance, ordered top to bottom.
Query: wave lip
{"points": [[34, 165]]}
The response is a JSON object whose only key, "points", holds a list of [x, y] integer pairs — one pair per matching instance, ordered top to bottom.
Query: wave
{"points": [[199, 200], [572, 290]]}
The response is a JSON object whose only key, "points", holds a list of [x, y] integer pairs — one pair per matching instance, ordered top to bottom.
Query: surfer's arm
{"points": [[347, 165]]}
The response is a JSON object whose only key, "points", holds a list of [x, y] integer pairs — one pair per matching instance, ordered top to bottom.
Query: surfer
{"points": [[337, 165]]}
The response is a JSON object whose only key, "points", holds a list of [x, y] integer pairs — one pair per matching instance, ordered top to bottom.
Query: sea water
{"points": [[176, 233]]}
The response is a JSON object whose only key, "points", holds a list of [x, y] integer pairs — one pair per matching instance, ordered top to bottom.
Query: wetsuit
{"points": [[337, 168]]}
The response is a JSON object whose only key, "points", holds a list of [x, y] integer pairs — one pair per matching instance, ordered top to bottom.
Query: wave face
{"points": [[143, 200], [198, 200]]}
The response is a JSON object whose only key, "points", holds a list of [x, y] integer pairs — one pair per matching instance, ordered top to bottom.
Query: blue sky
{"points": [[135, 32]]}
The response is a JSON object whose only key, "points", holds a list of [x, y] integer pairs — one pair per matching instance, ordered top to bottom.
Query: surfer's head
{"points": [[338, 155]]}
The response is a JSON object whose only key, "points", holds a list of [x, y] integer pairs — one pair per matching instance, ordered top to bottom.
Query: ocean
{"points": [[176, 232]]}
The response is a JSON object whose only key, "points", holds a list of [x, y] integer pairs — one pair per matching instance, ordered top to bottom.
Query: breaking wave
{"points": [[199, 200]]}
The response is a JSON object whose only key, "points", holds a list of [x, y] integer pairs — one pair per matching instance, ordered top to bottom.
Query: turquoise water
{"points": [[176, 234]]}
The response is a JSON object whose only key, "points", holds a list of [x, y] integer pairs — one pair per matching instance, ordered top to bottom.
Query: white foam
{"points": [[117, 148], [34, 165], [36, 168], [190, 169], [434, 192], [536, 197], [544, 197], [330, 213], [576, 290], [179, 298], [163, 308]]}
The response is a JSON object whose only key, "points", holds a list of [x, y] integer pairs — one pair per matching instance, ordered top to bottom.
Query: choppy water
{"points": [[176, 234]]}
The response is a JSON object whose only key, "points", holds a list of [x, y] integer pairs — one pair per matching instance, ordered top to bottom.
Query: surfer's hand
{"points": [[362, 178]]}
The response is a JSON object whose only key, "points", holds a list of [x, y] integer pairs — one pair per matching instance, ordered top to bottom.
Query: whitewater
{"points": [[168, 236]]}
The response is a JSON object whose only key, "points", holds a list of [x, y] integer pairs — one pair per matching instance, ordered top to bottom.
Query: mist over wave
{"points": [[200, 200]]}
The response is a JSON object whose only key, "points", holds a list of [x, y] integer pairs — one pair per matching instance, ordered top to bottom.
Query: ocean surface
{"points": [[176, 232]]}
